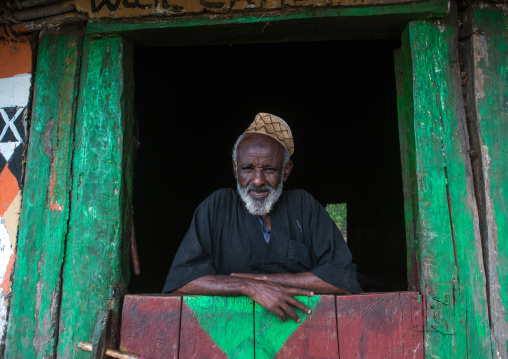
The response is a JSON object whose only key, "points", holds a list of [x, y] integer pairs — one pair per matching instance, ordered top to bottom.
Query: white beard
{"points": [[259, 206]]}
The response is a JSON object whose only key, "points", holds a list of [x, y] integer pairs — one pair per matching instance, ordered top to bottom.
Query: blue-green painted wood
{"points": [[440, 204], [96, 256]]}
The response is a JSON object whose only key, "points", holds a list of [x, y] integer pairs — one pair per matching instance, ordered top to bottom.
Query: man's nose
{"points": [[258, 179]]}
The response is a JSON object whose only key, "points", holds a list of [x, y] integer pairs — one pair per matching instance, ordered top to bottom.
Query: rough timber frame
{"points": [[72, 259]]}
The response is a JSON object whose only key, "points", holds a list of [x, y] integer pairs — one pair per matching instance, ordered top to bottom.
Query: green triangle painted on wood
{"points": [[228, 320], [272, 333]]}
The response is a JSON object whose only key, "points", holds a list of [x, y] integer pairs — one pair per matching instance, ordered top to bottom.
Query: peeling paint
{"points": [[118, 9], [490, 46], [480, 53], [48, 148], [11, 218], [6, 253], [498, 310]]}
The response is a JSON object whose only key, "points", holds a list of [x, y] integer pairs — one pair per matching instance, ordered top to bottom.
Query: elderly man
{"points": [[259, 241]]}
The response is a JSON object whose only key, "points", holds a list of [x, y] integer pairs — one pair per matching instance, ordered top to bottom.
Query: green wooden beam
{"points": [[416, 10], [485, 54], [403, 67], [439, 192], [96, 269], [36, 290]]}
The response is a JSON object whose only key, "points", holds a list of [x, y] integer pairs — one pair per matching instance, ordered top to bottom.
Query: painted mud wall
{"points": [[15, 85]]}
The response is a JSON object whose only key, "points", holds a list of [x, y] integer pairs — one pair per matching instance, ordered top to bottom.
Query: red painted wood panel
{"points": [[150, 326], [368, 326], [377, 326], [316, 337], [412, 339]]}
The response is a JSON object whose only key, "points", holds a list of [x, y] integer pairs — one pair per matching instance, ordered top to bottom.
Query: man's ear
{"points": [[234, 170], [287, 170]]}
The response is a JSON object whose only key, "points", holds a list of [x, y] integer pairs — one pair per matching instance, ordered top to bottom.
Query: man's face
{"points": [[260, 172]]}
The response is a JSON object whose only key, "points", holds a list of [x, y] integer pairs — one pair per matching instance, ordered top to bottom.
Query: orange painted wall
{"points": [[15, 58]]}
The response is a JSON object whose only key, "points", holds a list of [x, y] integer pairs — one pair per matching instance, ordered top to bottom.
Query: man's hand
{"points": [[274, 292], [270, 295], [277, 298]]}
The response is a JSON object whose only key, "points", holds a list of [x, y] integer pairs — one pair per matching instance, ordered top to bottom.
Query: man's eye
{"points": [[269, 170]]}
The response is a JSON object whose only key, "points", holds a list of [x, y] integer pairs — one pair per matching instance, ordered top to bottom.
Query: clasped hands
{"points": [[273, 296]]}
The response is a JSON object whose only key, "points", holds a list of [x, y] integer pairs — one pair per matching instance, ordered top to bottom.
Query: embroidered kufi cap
{"points": [[275, 127]]}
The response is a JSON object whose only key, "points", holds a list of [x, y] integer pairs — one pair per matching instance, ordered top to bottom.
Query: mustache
{"points": [[262, 188], [259, 189]]}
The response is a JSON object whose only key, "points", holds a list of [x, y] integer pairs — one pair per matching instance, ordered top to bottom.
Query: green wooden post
{"points": [[485, 55], [445, 245], [96, 267], [36, 289]]}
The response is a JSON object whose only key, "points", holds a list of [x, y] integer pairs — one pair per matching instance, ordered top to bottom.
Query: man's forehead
{"points": [[260, 141]]}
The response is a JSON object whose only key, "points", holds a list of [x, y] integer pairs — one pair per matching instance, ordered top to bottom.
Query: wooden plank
{"points": [[117, 9], [414, 10], [485, 61], [408, 162], [448, 251], [96, 269], [36, 287], [151, 326], [376, 326], [221, 327], [271, 333], [316, 337], [413, 340]]}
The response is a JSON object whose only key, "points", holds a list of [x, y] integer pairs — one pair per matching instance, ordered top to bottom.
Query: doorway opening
{"points": [[339, 99]]}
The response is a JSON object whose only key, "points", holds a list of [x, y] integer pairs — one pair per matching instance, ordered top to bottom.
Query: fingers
{"points": [[298, 291], [279, 299], [297, 304], [279, 312], [292, 314]]}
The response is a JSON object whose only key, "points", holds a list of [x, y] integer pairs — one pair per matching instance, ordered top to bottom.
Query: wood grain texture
{"points": [[96, 9], [413, 10], [485, 61], [403, 69], [45, 209], [447, 242], [95, 272], [151, 326], [368, 326], [376, 326], [217, 327], [316, 337]]}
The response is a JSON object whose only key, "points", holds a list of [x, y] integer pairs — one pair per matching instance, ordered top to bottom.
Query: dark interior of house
{"points": [[339, 99]]}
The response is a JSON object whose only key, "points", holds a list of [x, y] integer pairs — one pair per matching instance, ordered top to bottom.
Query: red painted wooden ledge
{"points": [[355, 326]]}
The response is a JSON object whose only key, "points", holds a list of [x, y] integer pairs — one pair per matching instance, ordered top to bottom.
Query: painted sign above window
{"points": [[132, 8]]}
